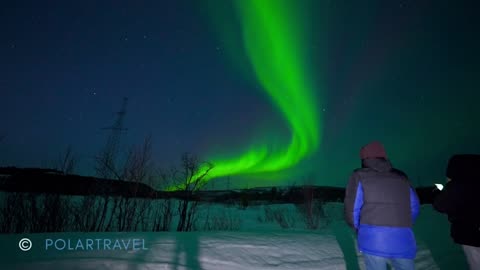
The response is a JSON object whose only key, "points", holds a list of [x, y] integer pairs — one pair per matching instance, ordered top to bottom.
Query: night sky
{"points": [[195, 74]]}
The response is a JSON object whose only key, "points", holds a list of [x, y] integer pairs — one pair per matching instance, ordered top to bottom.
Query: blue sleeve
{"points": [[352, 204], [414, 204], [357, 206]]}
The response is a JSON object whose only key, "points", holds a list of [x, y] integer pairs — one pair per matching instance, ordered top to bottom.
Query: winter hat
{"points": [[373, 150], [464, 168]]}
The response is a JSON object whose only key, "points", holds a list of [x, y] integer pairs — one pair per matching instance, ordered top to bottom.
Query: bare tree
{"points": [[137, 169], [192, 176], [98, 207], [92, 210], [123, 213]]}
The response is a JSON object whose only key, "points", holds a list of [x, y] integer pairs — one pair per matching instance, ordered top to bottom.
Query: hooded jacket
{"points": [[460, 199], [381, 205]]}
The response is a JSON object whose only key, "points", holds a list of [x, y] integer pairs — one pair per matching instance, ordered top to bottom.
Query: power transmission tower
{"points": [[106, 163]]}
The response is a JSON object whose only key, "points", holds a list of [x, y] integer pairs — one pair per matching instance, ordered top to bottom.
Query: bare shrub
{"points": [[162, 209], [14, 213], [34, 213], [53, 213], [88, 213], [123, 213], [269, 214], [313, 214], [162, 215], [280, 215], [284, 218], [222, 221]]}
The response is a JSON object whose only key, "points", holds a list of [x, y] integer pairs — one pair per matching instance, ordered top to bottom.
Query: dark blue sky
{"points": [[66, 69], [403, 73]]}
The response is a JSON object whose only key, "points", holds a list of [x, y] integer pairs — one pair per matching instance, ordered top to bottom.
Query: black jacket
{"points": [[460, 199]]}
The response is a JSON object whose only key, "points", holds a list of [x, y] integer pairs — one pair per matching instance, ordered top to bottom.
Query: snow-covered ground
{"points": [[256, 245]]}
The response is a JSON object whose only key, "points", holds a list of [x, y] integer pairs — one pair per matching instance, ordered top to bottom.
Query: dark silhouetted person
{"points": [[460, 200], [381, 205]]}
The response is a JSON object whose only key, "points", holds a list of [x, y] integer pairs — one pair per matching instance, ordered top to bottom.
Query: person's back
{"points": [[461, 202], [381, 206]]}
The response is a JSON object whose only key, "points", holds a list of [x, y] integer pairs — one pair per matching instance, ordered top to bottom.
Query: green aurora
{"points": [[274, 43]]}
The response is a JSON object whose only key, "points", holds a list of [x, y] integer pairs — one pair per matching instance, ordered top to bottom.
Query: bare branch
{"points": [[66, 162], [138, 165], [108, 167], [199, 181]]}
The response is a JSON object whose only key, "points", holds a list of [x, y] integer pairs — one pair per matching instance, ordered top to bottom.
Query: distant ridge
{"points": [[38, 180]]}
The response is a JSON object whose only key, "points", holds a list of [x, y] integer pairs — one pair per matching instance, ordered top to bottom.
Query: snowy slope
{"points": [[264, 247]]}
